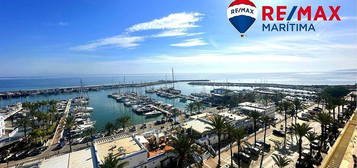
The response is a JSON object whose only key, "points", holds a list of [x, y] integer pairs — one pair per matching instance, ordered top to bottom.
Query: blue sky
{"points": [[116, 36]]}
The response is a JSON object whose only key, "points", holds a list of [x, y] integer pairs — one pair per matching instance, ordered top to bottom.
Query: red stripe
{"points": [[245, 2]]}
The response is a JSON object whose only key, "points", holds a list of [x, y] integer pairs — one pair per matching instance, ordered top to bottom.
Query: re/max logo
{"points": [[319, 13]]}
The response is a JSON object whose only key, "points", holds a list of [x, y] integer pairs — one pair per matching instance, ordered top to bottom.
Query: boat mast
{"points": [[173, 78], [165, 80], [124, 81], [81, 88]]}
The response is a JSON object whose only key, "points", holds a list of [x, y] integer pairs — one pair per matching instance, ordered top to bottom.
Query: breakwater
{"points": [[286, 86], [51, 91]]}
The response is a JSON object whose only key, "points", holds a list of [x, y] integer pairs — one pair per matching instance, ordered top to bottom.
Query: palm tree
{"points": [[318, 98], [340, 102], [199, 106], [285, 106], [330, 106], [191, 107], [297, 107], [254, 115], [324, 119], [266, 120], [123, 121], [24, 122], [69, 124], [217, 124], [109, 127], [229, 129], [301, 130], [89, 133], [37, 135], [238, 135], [311, 136], [183, 147], [112, 161], [280, 161]]}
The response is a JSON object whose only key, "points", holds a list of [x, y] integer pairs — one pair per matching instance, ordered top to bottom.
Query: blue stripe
{"points": [[291, 14]]}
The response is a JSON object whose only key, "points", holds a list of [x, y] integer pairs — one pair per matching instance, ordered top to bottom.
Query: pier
{"points": [[24, 93], [161, 110], [60, 128]]}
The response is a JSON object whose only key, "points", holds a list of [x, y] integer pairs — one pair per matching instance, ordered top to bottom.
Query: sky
{"points": [[59, 37]]}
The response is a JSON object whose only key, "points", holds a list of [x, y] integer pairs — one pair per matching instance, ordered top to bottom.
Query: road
{"points": [[268, 161]]}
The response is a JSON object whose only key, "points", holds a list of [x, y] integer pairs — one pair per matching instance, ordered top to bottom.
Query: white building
{"points": [[268, 110], [237, 120], [201, 127], [132, 150], [84, 158]]}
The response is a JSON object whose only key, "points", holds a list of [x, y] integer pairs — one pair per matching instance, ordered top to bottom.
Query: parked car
{"points": [[304, 118], [143, 126], [278, 133], [266, 146], [254, 150], [33, 152], [20, 155], [243, 156]]}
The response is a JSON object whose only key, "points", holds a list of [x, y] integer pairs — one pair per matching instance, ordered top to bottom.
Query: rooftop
{"points": [[233, 116], [197, 125], [125, 144], [82, 157]]}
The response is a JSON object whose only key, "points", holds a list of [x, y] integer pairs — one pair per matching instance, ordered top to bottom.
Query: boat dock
{"points": [[24, 93], [161, 110], [60, 128]]}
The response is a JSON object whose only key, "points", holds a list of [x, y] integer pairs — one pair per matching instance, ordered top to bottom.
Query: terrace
{"points": [[118, 145]]}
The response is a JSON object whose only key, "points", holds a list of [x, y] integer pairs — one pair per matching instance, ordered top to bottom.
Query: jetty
{"points": [[52, 91], [161, 110]]}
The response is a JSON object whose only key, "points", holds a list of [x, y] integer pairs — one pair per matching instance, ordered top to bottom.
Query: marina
{"points": [[144, 105]]}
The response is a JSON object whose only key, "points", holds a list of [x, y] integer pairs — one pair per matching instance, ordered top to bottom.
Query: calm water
{"points": [[107, 109]]}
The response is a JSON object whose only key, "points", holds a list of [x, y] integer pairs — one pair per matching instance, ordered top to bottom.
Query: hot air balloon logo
{"points": [[242, 14]]}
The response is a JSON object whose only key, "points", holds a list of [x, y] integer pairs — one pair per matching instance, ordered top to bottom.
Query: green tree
{"points": [[199, 106], [285, 106], [191, 107], [297, 107], [255, 116], [324, 119], [123, 121], [267, 121], [24, 122], [69, 124], [217, 124], [109, 127], [229, 130], [301, 130], [238, 134], [37, 135], [311, 137], [183, 148], [112, 161], [281, 161]]}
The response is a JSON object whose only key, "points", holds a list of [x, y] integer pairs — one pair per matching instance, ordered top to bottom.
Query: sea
{"points": [[107, 109]]}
